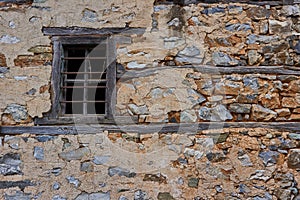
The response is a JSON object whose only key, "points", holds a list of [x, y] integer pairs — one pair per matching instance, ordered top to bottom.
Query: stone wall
{"points": [[223, 35], [196, 62], [195, 96], [236, 163]]}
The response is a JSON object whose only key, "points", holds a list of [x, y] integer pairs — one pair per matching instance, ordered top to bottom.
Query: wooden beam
{"points": [[257, 2], [73, 31], [272, 70], [278, 70], [85, 120], [146, 129]]}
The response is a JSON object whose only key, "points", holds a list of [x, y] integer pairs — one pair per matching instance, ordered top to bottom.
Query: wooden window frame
{"points": [[82, 35], [58, 47], [55, 116]]}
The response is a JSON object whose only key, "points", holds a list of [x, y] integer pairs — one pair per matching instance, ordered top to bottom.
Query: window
{"points": [[84, 74], [83, 80]]}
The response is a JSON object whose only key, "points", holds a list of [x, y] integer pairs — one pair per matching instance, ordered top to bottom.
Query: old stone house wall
{"points": [[203, 63]]}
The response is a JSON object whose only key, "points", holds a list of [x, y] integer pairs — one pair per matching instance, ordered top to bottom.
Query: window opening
{"points": [[84, 80]]}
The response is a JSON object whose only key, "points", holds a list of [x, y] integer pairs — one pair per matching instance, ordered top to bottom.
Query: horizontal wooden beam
{"points": [[254, 2], [72, 31], [272, 70], [280, 70], [86, 120], [182, 128]]}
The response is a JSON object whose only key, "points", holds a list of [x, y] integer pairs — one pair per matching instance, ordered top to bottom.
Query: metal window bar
{"points": [[87, 78]]}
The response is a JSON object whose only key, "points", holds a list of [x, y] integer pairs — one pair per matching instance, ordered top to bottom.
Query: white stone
{"points": [[291, 10], [12, 24], [7, 39], [173, 42], [135, 65], [20, 78], [188, 116]]}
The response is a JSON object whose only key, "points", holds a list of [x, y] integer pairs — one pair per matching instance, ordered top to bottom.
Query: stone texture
{"points": [[291, 10], [258, 13], [89, 15], [238, 27], [279, 27], [8, 39], [252, 39], [173, 42], [40, 49], [190, 55], [253, 57], [222, 59], [33, 60], [3, 63], [135, 65], [205, 86], [228, 87], [195, 97], [270, 101], [290, 102], [240, 108], [138, 110], [18, 112], [283, 112], [218, 113], [261, 113], [188, 116], [294, 136], [44, 138], [38, 153], [77, 154], [215, 156], [269, 157], [294, 159], [101, 160], [245, 160], [10, 164], [86, 167], [120, 172], [160, 178], [74, 181], [193, 182], [56, 186], [19, 195], [140, 195], [93, 196], [164, 196], [57, 197]]}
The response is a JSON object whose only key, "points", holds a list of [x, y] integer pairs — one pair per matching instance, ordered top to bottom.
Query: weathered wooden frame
{"points": [[253, 2], [79, 35], [181, 128]]}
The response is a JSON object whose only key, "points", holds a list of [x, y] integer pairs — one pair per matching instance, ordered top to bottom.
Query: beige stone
{"points": [[294, 86], [228, 87], [270, 100], [290, 102], [296, 110], [283, 112], [261, 113], [294, 117]]}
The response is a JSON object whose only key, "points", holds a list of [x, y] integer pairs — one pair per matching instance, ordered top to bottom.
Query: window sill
{"points": [[89, 119]]}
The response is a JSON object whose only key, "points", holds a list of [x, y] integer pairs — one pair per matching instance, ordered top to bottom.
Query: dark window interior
{"points": [[84, 79]]}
